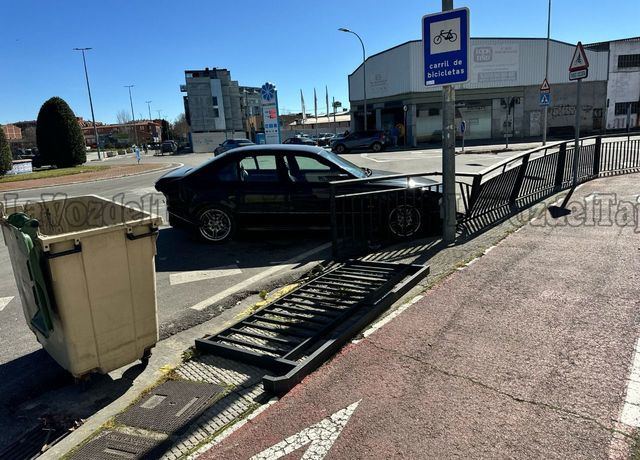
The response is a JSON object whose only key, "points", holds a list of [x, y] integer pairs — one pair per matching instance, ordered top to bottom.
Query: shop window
{"points": [[434, 112]]}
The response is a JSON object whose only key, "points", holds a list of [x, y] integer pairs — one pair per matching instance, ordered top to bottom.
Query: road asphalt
{"points": [[524, 353]]}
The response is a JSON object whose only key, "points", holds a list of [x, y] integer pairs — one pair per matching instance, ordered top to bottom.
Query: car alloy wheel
{"points": [[376, 147], [340, 149], [404, 220], [215, 225]]}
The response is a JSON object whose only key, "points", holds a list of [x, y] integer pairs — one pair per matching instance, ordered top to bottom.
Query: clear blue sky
{"points": [[294, 44]]}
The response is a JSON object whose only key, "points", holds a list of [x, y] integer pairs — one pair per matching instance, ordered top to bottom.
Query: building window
{"points": [[628, 60], [215, 101], [621, 107], [216, 113]]}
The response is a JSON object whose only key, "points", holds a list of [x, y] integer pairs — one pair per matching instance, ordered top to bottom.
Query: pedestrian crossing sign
{"points": [[545, 99]]}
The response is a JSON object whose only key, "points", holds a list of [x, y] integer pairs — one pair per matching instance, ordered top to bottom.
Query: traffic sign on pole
{"points": [[445, 42], [579, 60], [545, 88], [545, 99]]}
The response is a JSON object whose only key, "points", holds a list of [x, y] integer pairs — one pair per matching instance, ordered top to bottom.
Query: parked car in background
{"points": [[324, 139], [299, 140], [363, 140], [231, 144], [169, 147], [272, 186]]}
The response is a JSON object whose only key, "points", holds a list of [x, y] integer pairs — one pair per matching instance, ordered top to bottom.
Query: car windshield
{"points": [[344, 164]]}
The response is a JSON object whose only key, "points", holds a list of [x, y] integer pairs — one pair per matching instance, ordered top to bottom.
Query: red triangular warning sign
{"points": [[579, 60], [545, 88]]}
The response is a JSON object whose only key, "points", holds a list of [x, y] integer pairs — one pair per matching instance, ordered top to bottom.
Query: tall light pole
{"points": [[364, 72], [546, 75], [149, 107], [133, 115], [93, 117], [161, 120]]}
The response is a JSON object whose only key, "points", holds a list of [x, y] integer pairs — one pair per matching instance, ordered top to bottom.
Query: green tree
{"points": [[58, 134], [5, 153]]}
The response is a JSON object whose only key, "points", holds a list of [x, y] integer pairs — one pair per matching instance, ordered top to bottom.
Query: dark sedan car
{"points": [[298, 140], [231, 144], [261, 187]]}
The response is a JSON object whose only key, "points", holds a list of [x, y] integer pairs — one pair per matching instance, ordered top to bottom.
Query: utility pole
{"points": [[546, 76], [149, 107], [133, 115], [93, 117], [448, 155]]}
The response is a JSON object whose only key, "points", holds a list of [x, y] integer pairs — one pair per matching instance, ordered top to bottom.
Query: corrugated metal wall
{"points": [[495, 63]]}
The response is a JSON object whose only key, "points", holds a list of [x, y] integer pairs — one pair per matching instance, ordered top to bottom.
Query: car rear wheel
{"points": [[376, 147], [340, 149], [404, 221], [216, 225]]}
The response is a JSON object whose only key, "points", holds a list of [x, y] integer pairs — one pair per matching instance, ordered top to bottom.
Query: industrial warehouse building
{"points": [[502, 94]]}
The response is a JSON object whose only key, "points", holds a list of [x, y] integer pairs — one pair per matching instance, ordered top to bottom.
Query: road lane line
{"points": [[199, 275], [248, 282], [4, 301]]}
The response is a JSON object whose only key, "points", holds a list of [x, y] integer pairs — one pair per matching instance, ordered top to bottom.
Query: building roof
{"points": [[472, 38], [339, 118]]}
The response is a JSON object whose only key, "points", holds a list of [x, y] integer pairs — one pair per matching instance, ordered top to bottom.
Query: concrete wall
{"points": [[561, 112], [207, 142]]}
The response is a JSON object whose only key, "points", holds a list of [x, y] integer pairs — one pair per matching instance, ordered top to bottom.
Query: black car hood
{"points": [[172, 176]]}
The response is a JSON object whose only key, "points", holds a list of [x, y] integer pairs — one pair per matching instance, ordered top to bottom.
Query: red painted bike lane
{"points": [[525, 353]]}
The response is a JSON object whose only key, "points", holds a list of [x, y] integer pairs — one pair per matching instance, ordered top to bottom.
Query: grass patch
{"points": [[58, 172]]}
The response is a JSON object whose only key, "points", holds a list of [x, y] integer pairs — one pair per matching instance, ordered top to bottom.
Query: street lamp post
{"points": [[364, 72], [149, 107], [133, 115], [93, 117]]}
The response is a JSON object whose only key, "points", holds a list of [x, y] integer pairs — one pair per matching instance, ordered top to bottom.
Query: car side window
{"points": [[259, 168], [314, 171], [227, 173]]}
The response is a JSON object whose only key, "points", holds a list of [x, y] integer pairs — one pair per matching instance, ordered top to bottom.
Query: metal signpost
{"points": [[445, 43], [578, 70], [269, 99], [463, 128]]}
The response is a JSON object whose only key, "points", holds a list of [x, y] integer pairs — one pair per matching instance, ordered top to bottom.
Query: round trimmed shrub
{"points": [[59, 136]]}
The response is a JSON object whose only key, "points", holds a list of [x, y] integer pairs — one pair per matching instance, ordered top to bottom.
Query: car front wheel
{"points": [[376, 147], [340, 149], [216, 225]]}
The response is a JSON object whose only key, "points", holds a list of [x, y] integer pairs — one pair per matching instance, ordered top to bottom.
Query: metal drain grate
{"points": [[297, 329], [170, 406], [111, 445]]}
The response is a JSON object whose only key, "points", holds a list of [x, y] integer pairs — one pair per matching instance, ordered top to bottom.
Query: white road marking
{"points": [[390, 157], [199, 275], [248, 282], [4, 301], [394, 314], [630, 414], [319, 437]]}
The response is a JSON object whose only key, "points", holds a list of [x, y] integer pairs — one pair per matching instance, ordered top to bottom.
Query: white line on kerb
{"points": [[248, 282], [4, 301], [630, 414]]}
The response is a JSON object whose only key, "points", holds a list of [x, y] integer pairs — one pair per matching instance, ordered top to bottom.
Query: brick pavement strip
{"points": [[112, 172], [524, 353]]}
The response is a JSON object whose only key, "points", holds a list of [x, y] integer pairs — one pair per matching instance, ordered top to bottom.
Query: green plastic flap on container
{"points": [[26, 231]]}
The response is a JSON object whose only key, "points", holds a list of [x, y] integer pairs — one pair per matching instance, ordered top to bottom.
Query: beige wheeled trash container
{"points": [[85, 271]]}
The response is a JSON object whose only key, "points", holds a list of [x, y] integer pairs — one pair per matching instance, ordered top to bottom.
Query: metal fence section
{"points": [[368, 213]]}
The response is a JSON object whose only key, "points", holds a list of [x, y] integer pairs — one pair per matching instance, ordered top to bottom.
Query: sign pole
{"points": [[546, 75], [576, 142], [448, 155]]}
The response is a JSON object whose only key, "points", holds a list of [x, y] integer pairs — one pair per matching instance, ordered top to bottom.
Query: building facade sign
{"points": [[495, 63]]}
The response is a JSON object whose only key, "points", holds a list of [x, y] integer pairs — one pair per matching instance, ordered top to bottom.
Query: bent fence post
{"points": [[596, 157], [562, 160], [517, 185]]}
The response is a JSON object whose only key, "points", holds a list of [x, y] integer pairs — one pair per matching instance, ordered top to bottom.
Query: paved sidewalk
{"points": [[525, 353]]}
